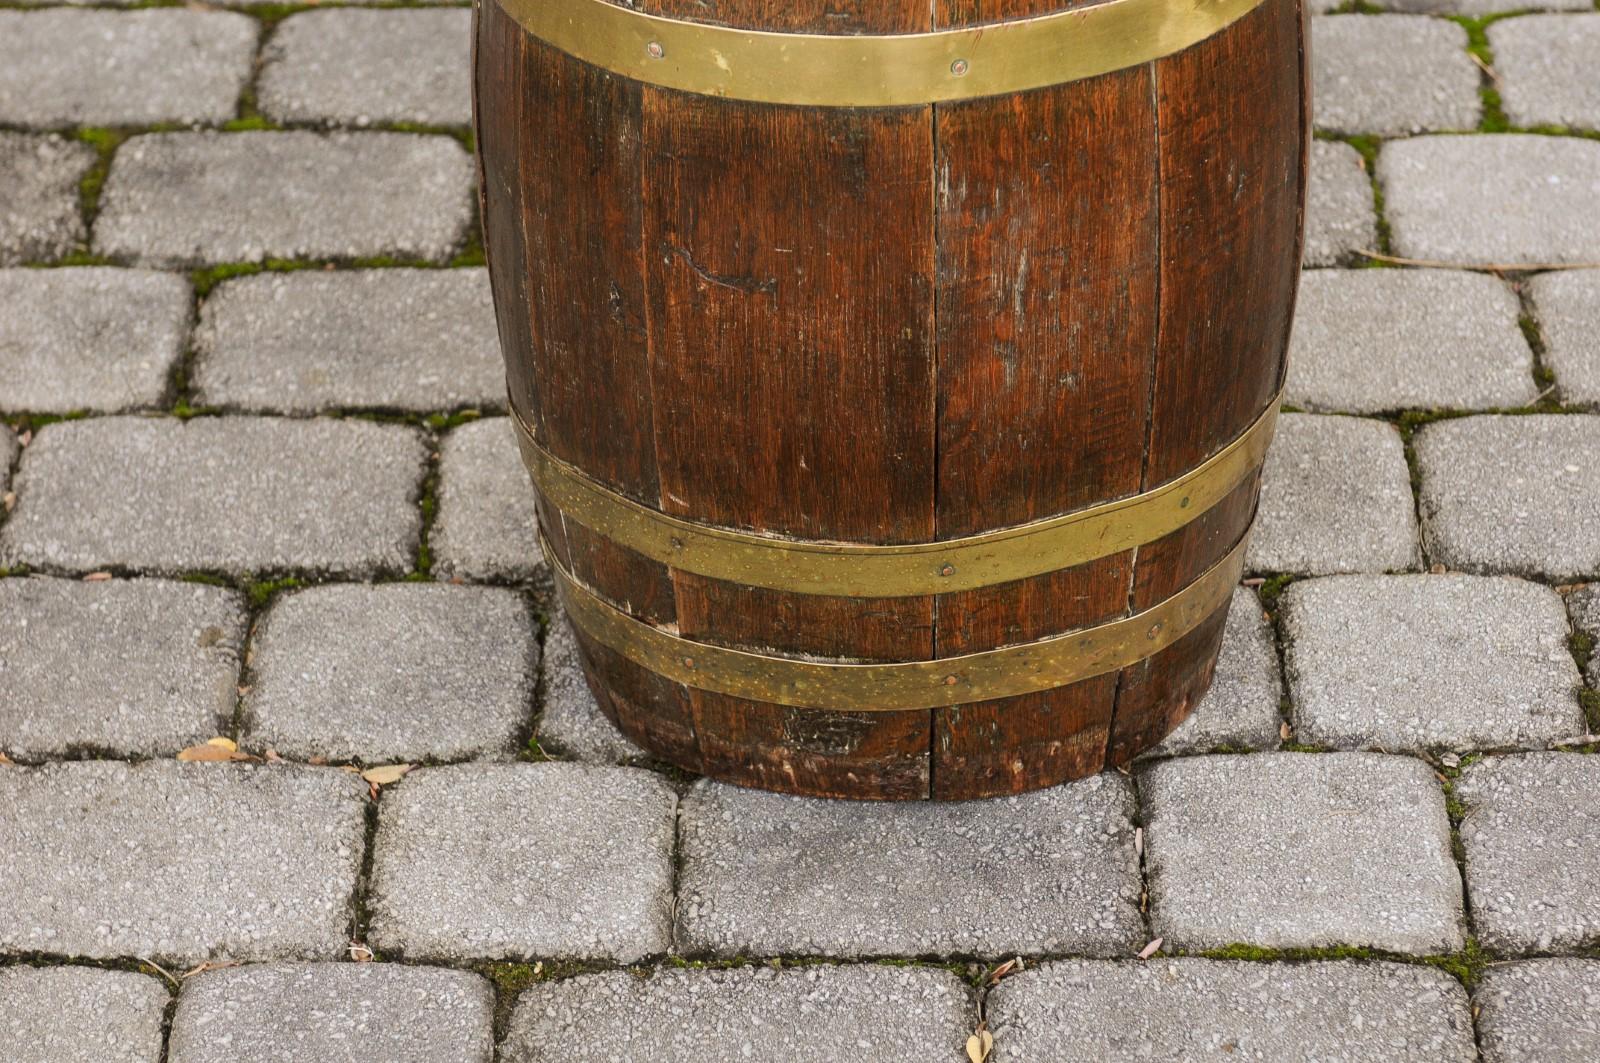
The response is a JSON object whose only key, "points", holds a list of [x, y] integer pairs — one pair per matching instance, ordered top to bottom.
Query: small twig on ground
{"points": [[1489, 267]]}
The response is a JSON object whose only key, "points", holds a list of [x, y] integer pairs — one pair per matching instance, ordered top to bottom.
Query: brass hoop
{"points": [[873, 70], [864, 570], [907, 685]]}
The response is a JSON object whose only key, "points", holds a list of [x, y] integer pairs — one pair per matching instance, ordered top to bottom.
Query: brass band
{"points": [[873, 70], [864, 570], [1011, 670]]}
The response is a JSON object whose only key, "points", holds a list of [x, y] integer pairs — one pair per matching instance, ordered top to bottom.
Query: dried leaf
{"points": [[23, 440], [9, 500], [1437, 569], [97, 577], [243, 690], [1285, 731], [218, 749], [273, 757], [5, 759], [319, 760], [1450, 760], [384, 774], [1138, 841], [1151, 949], [360, 953], [209, 965], [1011, 966], [980, 1044]]}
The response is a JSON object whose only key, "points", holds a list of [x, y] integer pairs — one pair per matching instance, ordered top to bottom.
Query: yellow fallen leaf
{"points": [[97, 577], [218, 749], [384, 774], [1150, 949], [980, 1044]]}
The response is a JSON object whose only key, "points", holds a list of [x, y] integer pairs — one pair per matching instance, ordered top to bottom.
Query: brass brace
{"points": [[873, 70], [865, 570], [872, 687]]}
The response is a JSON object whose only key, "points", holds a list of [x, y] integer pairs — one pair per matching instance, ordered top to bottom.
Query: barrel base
{"points": [[846, 755]]}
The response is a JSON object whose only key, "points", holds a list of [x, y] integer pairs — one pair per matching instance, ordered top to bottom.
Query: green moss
{"points": [[1494, 115], [251, 124], [105, 143], [82, 258], [32, 422], [443, 422], [208, 578], [1272, 589], [261, 591], [1590, 700], [1467, 966]]}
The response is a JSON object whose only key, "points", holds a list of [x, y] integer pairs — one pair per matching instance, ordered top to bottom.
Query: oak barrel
{"points": [[894, 375]]}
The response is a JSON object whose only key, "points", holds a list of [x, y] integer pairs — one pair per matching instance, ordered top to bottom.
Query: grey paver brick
{"points": [[1483, 7], [60, 67], [358, 67], [1546, 68], [1391, 75], [39, 175], [187, 199], [1507, 199], [1340, 217], [1567, 306], [89, 339], [1371, 340], [299, 342], [232, 494], [1513, 494], [1335, 497], [487, 528], [1427, 662], [134, 667], [403, 671], [1241, 709], [570, 720], [1532, 838], [1300, 850], [524, 860], [179, 862], [771, 874], [1189, 1009], [1540, 1011], [334, 1013], [78, 1014], [817, 1014]]}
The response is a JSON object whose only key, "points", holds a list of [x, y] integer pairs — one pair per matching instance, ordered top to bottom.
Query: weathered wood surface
{"points": [[893, 326]]}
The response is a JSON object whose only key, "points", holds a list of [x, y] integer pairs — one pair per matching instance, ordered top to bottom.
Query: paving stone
{"points": [[1483, 7], [1545, 65], [60, 67], [359, 67], [1390, 75], [188, 199], [1508, 199], [1340, 217], [39, 218], [1567, 306], [89, 339], [419, 340], [1372, 340], [230, 494], [1513, 494], [1335, 497], [487, 529], [1429, 662], [130, 667], [401, 671], [1241, 709], [570, 721], [1532, 838], [1300, 850], [505, 861], [179, 862], [767, 874], [1089, 1011], [1539, 1011], [334, 1013], [78, 1014], [816, 1014]]}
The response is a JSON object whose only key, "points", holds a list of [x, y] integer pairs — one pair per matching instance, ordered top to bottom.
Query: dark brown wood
{"points": [[892, 326]]}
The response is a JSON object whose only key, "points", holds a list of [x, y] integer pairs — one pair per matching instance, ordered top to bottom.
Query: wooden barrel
{"points": [[894, 376]]}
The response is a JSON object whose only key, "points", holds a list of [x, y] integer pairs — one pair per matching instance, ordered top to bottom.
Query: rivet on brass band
{"points": [[873, 70], [864, 570], [1002, 673]]}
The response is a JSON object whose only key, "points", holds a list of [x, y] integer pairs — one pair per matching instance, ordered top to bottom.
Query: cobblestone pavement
{"points": [[259, 485]]}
